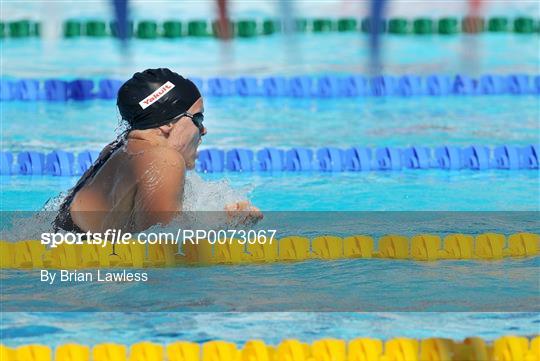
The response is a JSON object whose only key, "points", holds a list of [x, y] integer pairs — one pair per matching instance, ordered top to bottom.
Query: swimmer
{"points": [[138, 180]]}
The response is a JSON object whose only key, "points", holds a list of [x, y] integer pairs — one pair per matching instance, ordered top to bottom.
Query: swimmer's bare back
{"points": [[141, 184]]}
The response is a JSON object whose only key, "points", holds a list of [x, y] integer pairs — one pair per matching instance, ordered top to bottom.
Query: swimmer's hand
{"points": [[243, 212]]}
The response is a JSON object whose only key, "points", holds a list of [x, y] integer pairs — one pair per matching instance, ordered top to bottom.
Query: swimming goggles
{"points": [[196, 118]]}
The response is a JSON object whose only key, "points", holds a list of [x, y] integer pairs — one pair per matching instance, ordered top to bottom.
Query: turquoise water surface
{"points": [[59, 328]]}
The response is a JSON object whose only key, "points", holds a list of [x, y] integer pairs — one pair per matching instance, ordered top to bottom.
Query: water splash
{"points": [[201, 195], [53, 204]]}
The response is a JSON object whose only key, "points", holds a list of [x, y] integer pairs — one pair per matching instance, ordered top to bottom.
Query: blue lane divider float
{"points": [[276, 86], [295, 86], [55, 90], [418, 158], [271, 159], [299, 159], [331, 159], [356, 159], [85, 160], [211, 160], [239, 160], [6, 163], [31, 163], [56, 163], [60, 163]]}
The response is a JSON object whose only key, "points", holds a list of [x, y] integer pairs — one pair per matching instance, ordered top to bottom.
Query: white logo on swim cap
{"points": [[161, 91]]}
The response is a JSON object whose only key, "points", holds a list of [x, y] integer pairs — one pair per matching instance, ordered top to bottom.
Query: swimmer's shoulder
{"points": [[159, 157]]}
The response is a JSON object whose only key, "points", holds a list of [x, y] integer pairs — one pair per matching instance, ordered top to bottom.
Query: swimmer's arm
{"points": [[160, 189]]}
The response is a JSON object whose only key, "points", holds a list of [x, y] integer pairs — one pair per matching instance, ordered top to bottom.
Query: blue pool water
{"points": [[273, 55], [256, 123], [435, 190], [356, 285], [59, 328]]}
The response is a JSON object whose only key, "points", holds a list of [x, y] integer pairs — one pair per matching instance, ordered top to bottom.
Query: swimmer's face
{"points": [[186, 137]]}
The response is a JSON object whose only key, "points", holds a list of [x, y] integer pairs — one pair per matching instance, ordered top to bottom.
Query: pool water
{"points": [[344, 53], [287, 122], [433, 190], [351, 285], [447, 289], [54, 329]]}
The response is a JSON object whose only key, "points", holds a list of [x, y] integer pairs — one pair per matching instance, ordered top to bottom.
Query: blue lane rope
{"points": [[279, 86], [298, 159]]}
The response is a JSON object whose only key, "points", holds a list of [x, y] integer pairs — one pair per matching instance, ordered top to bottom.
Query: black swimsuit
{"points": [[63, 220]]}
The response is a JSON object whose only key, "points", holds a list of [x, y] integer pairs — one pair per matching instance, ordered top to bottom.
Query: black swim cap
{"points": [[154, 97]]}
